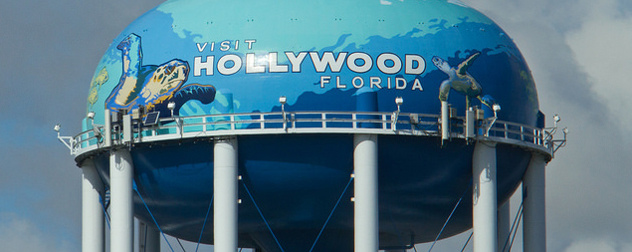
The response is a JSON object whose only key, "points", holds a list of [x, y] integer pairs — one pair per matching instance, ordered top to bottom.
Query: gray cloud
{"points": [[50, 51], [48, 55], [588, 182]]}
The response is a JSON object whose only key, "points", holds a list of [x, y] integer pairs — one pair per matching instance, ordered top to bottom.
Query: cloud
{"points": [[601, 46], [578, 52], [49, 54], [20, 234], [601, 245]]}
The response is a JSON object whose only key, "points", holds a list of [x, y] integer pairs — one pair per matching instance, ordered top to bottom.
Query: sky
{"points": [[579, 53]]}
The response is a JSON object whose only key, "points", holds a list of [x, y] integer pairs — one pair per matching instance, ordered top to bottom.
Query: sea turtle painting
{"points": [[461, 81], [151, 86]]}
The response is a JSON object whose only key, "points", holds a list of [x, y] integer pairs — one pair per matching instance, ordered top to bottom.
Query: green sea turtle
{"points": [[459, 80], [153, 87]]}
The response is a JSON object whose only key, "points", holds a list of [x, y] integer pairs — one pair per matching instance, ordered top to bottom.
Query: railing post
{"points": [[324, 118], [293, 119], [354, 119], [284, 120], [232, 122], [384, 122], [204, 123]]}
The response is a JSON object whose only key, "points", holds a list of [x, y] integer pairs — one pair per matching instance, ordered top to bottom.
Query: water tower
{"points": [[311, 126]]}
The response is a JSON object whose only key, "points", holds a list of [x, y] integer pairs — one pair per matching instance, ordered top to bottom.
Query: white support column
{"points": [[445, 121], [225, 193], [533, 193], [484, 198], [121, 204], [504, 224], [366, 226], [92, 229], [148, 238]]}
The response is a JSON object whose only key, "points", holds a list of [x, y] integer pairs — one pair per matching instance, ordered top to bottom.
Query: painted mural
{"points": [[213, 57], [209, 61]]}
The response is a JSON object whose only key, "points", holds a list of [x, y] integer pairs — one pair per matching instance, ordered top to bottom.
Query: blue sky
{"points": [[579, 52]]}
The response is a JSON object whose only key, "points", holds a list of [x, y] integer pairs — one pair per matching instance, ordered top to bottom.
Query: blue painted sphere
{"points": [[218, 57]]}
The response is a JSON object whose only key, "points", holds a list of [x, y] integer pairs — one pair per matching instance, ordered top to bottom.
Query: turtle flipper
{"points": [[462, 68], [444, 90], [125, 92], [203, 93], [487, 100]]}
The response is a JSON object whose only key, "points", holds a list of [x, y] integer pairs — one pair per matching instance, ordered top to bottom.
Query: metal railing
{"points": [[382, 123]]}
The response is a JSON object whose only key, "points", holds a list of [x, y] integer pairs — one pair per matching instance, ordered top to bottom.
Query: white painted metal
{"points": [[445, 121], [307, 122], [470, 123], [107, 128], [128, 133], [225, 178], [484, 198], [121, 207], [534, 219], [504, 224], [92, 229], [366, 235], [148, 238]]}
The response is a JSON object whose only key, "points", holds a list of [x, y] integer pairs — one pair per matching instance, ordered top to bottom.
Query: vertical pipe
{"points": [[445, 121], [470, 123], [107, 128], [225, 194], [484, 198], [121, 207], [534, 220], [504, 224], [92, 229], [366, 236], [148, 238]]}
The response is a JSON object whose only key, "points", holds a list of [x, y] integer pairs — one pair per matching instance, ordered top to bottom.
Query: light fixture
{"points": [[283, 101], [399, 101], [171, 106], [496, 107], [90, 115], [556, 118], [66, 140]]}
